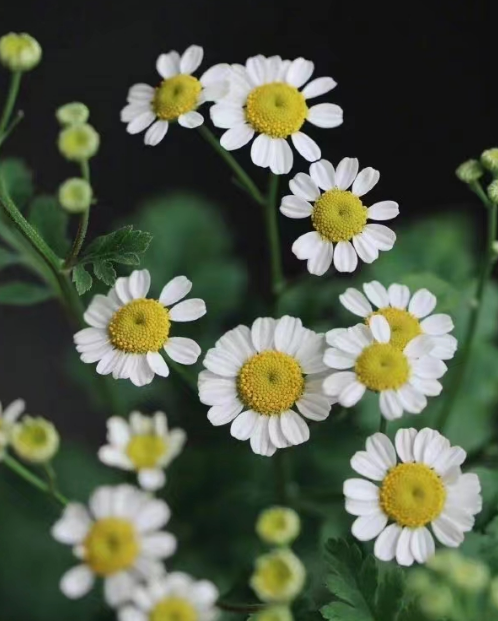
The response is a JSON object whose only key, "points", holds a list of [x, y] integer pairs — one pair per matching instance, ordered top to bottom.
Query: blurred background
{"points": [[415, 85]]}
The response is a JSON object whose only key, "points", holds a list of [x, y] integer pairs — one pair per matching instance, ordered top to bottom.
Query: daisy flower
{"points": [[176, 98], [264, 99], [339, 217], [408, 315], [128, 330], [257, 377], [403, 378], [8, 417], [144, 445], [426, 488], [118, 538], [175, 596]]}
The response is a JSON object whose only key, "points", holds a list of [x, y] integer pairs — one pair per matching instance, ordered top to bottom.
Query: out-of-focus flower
{"points": [[19, 51], [72, 113], [79, 142], [489, 159], [469, 171], [75, 195], [8, 417], [35, 440], [278, 525], [279, 576]]}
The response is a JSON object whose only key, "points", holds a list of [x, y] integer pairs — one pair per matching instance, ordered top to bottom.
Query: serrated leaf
{"points": [[18, 180], [51, 221], [122, 246], [105, 272], [82, 279], [23, 294], [390, 594]]}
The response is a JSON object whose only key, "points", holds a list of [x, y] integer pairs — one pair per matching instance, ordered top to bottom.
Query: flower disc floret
{"points": [[176, 96], [276, 109], [79, 142], [338, 215], [140, 326], [404, 326], [381, 366], [145, 451], [111, 546], [173, 609]]}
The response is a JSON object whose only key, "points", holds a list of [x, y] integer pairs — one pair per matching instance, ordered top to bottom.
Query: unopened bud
{"points": [[19, 51], [72, 113], [79, 142], [489, 159], [469, 171], [493, 191], [75, 195], [35, 440], [278, 525], [279, 576], [274, 613]]}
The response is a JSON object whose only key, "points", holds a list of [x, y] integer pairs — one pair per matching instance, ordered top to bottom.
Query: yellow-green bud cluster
{"points": [[19, 51], [72, 113], [79, 142], [489, 159], [470, 171], [493, 191], [75, 195], [35, 440], [278, 526], [278, 576], [274, 613]]}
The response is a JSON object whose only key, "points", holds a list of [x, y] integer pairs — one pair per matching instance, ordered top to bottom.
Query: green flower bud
{"points": [[19, 51], [72, 113], [79, 142], [489, 159], [469, 171], [493, 191], [75, 195], [35, 440], [278, 525], [470, 575], [278, 577], [493, 592], [437, 602], [274, 613]]}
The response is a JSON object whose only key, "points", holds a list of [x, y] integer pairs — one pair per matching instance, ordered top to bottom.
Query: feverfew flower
{"points": [[19, 51], [177, 97], [264, 99], [72, 113], [78, 143], [75, 195], [339, 217], [408, 315], [128, 330], [257, 377], [403, 378], [8, 418], [36, 440], [144, 445], [426, 488], [278, 525], [118, 538], [279, 576], [174, 597]]}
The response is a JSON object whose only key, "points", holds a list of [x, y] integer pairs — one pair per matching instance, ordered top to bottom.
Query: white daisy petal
{"points": [[191, 59], [168, 65], [256, 69], [299, 72], [215, 74], [318, 87], [141, 93], [131, 111], [227, 115], [325, 115], [191, 119], [141, 122], [156, 133], [237, 137], [306, 146], [261, 151], [281, 157], [346, 172], [323, 174], [365, 181], [304, 186], [295, 207], [385, 210], [380, 236], [307, 245], [367, 252], [345, 257], [321, 259], [139, 283], [175, 290], [376, 293], [356, 302], [422, 303], [188, 310], [99, 312], [437, 325], [380, 328], [262, 333], [288, 335], [238, 343], [419, 346], [445, 346], [182, 350], [336, 359], [222, 362], [429, 367], [142, 373], [428, 387], [350, 395], [411, 399], [390, 405], [314, 407], [13, 411], [224, 413], [242, 427], [294, 428], [276, 434], [260, 438], [422, 441], [404, 444], [381, 448], [114, 457], [363, 464], [152, 479], [359, 489], [361, 507], [153, 515], [73, 526], [367, 527], [447, 532], [387, 543], [159, 545], [422, 545], [404, 554], [77, 582], [117, 588], [130, 613]]}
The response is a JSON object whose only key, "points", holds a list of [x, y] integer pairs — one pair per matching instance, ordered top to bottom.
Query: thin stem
{"points": [[10, 102], [17, 119], [240, 173], [271, 216], [79, 240], [477, 302], [383, 424], [281, 465], [32, 479], [242, 608]]}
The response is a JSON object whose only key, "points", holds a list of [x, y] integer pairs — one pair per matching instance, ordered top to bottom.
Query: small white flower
{"points": [[176, 98], [264, 99], [339, 217], [408, 315], [128, 330], [256, 377], [403, 378], [8, 417], [144, 445], [426, 488], [118, 538], [176, 596]]}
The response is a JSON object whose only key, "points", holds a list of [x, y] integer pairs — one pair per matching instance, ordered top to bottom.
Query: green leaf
{"points": [[18, 180], [51, 221], [122, 246], [8, 258], [105, 272], [82, 279], [23, 294], [390, 594], [338, 611]]}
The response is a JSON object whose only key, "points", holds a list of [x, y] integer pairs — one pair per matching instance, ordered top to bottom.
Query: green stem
{"points": [[10, 102], [18, 118], [240, 173], [271, 216], [83, 225], [477, 302], [383, 424], [32, 479], [241, 608]]}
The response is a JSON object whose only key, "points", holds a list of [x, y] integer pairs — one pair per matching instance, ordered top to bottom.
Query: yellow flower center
{"points": [[176, 96], [277, 109], [339, 215], [404, 325], [140, 326], [381, 366], [270, 382], [145, 451], [412, 495], [111, 546], [173, 609]]}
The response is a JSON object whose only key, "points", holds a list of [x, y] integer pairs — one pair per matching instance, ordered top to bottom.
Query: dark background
{"points": [[414, 81]]}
